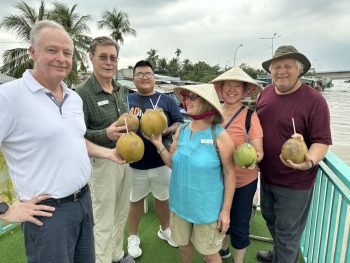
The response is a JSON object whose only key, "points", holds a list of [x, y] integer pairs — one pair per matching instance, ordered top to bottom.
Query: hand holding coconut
{"points": [[114, 132], [130, 146], [294, 152], [245, 155]]}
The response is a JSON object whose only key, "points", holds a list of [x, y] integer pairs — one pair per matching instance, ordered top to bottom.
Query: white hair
{"points": [[42, 25], [299, 65]]}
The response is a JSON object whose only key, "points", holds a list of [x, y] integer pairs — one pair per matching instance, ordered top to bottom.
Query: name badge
{"points": [[101, 103], [206, 141]]}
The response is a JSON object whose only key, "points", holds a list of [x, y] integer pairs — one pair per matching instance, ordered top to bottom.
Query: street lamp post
{"points": [[272, 38], [234, 60]]}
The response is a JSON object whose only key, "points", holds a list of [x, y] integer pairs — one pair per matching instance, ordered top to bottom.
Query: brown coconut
{"points": [[132, 121], [153, 122], [130, 147], [295, 150]]}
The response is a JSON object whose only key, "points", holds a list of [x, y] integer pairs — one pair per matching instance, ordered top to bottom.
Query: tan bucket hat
{"points": [[288, 52], [237, 74], [205, 91]]}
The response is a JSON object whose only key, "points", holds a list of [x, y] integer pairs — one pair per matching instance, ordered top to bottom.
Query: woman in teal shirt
{"points": [[202, 180]]}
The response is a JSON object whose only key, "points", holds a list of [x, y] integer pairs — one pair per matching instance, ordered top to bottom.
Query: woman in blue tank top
{"points": [[202, 179]]}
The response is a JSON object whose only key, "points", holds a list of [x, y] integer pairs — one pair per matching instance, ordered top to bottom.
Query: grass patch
{"points": [[154, 249]]}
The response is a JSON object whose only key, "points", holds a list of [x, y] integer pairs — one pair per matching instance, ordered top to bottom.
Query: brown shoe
{"points": [[264, 256]]}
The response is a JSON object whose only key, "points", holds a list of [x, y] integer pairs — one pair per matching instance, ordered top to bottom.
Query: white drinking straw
{"points": [[126, 124], [293, 125]]}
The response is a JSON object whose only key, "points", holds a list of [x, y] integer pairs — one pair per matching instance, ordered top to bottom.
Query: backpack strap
{"points": [[234, 117], [248, 120]]}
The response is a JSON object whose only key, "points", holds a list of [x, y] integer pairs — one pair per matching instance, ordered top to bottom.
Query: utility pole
{"points": [[275, 35], [234, 60]]}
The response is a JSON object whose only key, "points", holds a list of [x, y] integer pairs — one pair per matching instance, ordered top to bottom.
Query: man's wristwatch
{"points": [[3, 208]]}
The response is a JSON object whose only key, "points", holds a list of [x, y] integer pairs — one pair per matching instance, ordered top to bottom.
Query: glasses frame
{"points": [[105, 58], [141, 75], [192, 97]]}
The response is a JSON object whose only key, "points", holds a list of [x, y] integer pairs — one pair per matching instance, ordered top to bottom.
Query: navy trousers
{"points": [[66, 237]]}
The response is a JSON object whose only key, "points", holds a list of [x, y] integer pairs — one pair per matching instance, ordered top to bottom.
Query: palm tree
{"points": [[118, 23], [76, 27], [178, 52], [153, 58], [17, 60]]}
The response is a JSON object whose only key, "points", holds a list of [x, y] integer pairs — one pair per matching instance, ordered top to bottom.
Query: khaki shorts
{"points": [[154, 180], [206, 238]]}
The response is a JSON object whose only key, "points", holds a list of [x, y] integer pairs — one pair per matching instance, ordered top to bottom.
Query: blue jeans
{"points": [[285, 212], [66, 237]]}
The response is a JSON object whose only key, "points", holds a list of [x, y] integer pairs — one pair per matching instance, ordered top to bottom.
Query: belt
{"points": [[70, 198]]}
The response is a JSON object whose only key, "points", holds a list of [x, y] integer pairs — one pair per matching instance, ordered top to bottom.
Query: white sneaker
{"points": [[166, 235], [134, 249]]}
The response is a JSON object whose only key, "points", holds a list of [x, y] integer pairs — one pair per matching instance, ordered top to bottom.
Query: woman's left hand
{"points": [[224, 221]]}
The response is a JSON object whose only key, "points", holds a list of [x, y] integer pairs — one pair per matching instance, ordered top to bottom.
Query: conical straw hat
{"points": [[238, 74], [205, 91]]}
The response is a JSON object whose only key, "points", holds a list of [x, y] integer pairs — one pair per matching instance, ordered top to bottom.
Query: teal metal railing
{"points": [[326, 237]]}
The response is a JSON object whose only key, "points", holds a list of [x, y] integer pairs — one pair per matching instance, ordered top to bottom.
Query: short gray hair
{"points": [[38, 26], [102, 41]]}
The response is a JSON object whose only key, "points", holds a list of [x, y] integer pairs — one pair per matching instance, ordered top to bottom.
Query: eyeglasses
{"points": [[105, 58], [141, 75], [192, 97]]}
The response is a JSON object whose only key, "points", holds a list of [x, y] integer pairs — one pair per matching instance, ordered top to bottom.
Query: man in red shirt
{"points": [[287, 187]]}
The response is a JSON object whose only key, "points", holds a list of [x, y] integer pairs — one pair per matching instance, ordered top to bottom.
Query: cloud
{"points": [[210, 31]]}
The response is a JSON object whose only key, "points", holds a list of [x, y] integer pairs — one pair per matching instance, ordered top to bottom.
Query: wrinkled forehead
{"points": [[284, 61]]}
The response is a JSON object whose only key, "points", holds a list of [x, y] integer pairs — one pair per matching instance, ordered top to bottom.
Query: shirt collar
{"points": [[33, 85], [97, 88]]}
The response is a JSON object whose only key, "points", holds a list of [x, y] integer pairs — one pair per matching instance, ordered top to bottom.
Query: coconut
{"points": [[132, 121], [153, 122], [130, 147], [295, 150], [245, 155]]}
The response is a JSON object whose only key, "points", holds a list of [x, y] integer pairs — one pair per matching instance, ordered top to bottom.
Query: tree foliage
{"points": [[118, 22], [17, 60], [186, 70]]}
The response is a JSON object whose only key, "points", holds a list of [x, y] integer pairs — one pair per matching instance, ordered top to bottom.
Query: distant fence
{"points": [[326, 237]]}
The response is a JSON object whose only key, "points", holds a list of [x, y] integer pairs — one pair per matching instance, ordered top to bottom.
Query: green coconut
{"points": [[132, 121], [153, 122], [130, 147], [295, 150], [244, 155]]}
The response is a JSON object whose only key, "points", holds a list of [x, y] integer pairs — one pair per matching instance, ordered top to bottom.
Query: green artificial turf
{"points": [[154, 249]]}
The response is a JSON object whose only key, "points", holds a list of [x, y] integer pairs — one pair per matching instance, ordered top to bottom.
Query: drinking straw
{"points": [[126, 124], [293, 125]]}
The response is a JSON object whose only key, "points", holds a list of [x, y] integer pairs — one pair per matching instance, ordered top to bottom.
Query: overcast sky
{"points": [[210, 31]]}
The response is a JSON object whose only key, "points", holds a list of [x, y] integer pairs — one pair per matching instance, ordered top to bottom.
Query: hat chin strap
{"points": [[202, 116]]}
